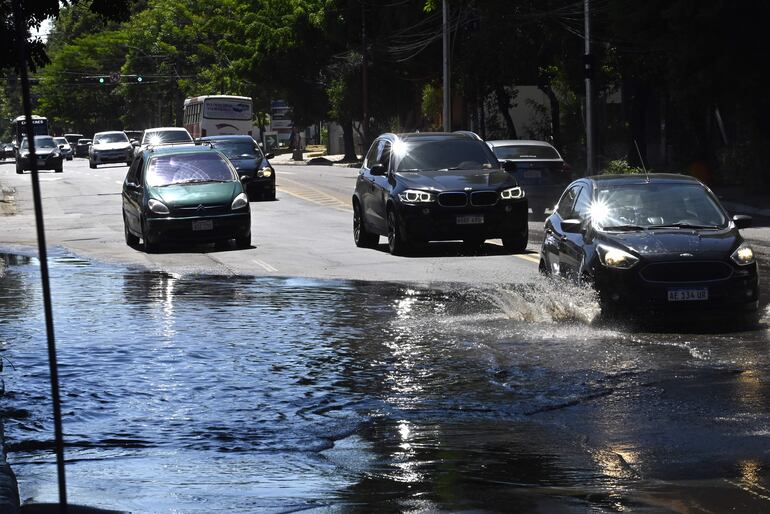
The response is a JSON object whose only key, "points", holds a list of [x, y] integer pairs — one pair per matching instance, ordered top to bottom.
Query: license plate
{"points": [[41, 162], [470, 220], [202, 225], [688, 295]]}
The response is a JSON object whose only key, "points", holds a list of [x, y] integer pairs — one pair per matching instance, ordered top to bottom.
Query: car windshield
{"points": [[166, 136], [117, 137], [60, 141], [83, 141], [41, 143], [237, 149], [525, 152], [444, 154], [165, 170], [655, 205]]}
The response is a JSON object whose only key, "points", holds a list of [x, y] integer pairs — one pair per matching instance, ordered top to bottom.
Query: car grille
{"points": [[483, 198], [452, 199], [201, 210], [698, 271]]}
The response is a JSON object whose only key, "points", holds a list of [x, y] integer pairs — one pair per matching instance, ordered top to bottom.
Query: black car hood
{"points": [[248, 164], [456, 180], [661, 243]]}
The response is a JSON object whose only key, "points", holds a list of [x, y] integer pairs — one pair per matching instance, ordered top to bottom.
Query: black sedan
{"points": [[48, 155], [252, 165], [416, 188], [660, 242]]}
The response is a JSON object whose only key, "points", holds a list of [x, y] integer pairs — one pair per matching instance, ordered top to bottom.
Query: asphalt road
{"points": [[306, 232]]}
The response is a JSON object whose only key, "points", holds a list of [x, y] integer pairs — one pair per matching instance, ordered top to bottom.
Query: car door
{"points": [[365, 184], [382, 185], [133, 190], [553, 229], [572, 243]]}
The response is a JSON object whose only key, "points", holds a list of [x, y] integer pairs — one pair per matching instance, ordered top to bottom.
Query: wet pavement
{"points": [[196, 393]]}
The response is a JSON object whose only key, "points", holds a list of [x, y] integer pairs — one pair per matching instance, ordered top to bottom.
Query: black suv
{"points": [[421, 187]]}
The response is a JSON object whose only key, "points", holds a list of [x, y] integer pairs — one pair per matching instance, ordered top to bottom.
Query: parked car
{"points": [[162, 136], [73, 139], [64, 146], [82, 146], [110, 146], [7, 151], [47, 152], [252, 165], [539, 169], [416, 188], [184, 193], [657, 241]]}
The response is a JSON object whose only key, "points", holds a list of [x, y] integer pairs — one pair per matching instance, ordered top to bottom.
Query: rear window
{"points": [[525, 152], [188, 168]]}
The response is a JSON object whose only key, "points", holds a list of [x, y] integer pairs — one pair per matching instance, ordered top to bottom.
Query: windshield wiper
{"points": [[198, 181], [683, 225], [624, 228]]}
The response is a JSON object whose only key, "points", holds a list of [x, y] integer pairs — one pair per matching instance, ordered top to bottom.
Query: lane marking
{"points": [[528, 257], [265, 266]]}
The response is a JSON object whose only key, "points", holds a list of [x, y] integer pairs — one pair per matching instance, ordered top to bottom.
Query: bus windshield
{"points": [[226, 109]]}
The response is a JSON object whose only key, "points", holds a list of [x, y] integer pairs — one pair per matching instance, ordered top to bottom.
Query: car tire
{"points": [[91, 164], [59, 168], [19, 170], [362, 237], [131, 239], [243, 242], [518, 242], [397, 243], [473, 244]]}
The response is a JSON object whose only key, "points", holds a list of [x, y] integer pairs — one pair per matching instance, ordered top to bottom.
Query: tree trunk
{"points": [[504, 104], [555, 114], [348, 141]]}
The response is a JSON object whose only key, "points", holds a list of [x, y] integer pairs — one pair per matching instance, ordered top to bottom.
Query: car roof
{"points": [[109, 132], [432, 136], [235, 137], [518, 142], [178, 149], [642, 178]]}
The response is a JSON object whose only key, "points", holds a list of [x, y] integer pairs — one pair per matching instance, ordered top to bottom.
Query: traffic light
{"points": [[139, 78], [101, 80]]}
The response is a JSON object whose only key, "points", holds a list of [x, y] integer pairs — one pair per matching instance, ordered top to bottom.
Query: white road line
{"points": [[119, 182], [265, 266]]}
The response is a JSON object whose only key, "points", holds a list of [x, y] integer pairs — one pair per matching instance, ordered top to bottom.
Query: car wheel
{"points": [[91, 164], [59, 168], [362, 237], [131, 239], [243, 242], [397, 243], [517, 243]]}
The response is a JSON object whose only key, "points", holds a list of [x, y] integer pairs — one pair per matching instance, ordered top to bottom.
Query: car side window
{"points": [[371, 156], [384, 157], [135, 171], [582, 204], [564, 209]]}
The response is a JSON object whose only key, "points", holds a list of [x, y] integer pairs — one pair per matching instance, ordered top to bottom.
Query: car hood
{"points": [[112, 146], [248, 164], [454, 180], [184, 195], [702, 244]]}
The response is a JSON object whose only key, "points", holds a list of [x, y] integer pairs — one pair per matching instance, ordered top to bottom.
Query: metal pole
{"points": [[21, 38], [364, 81], [447, 86], [589, 102]]}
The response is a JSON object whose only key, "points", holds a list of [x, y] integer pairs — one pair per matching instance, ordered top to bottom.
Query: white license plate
{"points": [[470, 220], [202, 225], [688, 295]]}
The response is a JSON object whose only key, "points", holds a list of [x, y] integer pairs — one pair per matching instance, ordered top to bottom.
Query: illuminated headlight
{"points": [[265, 172], [513, 193], [415, 196], [240, 202], [157, 207], [743, 255], [615, 257]]}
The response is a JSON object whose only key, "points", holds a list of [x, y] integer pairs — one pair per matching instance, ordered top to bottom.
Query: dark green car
{"points": [[184, 194]]}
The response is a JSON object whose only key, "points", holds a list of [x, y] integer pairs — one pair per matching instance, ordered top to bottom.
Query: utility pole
{"points": [[588, 58], [447, 86], [365, 95]]}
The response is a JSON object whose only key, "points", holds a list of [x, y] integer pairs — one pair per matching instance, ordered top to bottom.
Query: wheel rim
{"points": [[356, 223], [391, 230]]}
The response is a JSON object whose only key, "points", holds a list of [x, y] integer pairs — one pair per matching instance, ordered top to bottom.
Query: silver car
{"points": [[112, 146]]}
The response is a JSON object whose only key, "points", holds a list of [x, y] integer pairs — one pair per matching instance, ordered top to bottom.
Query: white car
{"points": [[162, 136], [112, 146], [66, 150]]}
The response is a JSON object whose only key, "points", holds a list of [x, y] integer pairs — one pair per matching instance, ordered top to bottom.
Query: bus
{"points": [[218, 115], [19, 128]]}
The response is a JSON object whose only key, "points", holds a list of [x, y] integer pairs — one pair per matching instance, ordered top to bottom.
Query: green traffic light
{"points": [[138, 79], [101, 80]]}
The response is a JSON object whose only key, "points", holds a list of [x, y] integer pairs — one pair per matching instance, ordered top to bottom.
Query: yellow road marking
{"points": [[313, 195], [529, 257]]}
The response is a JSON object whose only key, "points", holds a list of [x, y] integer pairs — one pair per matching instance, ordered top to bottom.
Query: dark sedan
{"points": [[81, 147], [48, 155], [251, 164], [416, 188], [184, 194], [659, 242]]}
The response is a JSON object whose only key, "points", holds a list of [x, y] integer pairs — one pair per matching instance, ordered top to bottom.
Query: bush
{"points": [[620, 167]]}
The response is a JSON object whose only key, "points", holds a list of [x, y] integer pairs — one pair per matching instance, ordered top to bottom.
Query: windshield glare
{"points": [[166, 136], [117, 137], [41, 143], [236, 149], [445, 154], [165, 170], [650, 205]]}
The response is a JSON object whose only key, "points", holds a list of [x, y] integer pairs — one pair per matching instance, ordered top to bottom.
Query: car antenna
{"points": [[646, 174]]}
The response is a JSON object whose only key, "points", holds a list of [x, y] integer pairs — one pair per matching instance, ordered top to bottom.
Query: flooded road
{"points": [[242, 394]]}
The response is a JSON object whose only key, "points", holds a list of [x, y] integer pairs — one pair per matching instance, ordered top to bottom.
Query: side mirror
{"points": [[61, 147], [269, 155], [509, 166], [378, 169], [742, 221], [572, 226]]}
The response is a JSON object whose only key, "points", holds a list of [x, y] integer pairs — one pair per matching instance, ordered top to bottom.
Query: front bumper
{"points": [[112, 156], [50, 162], [258, 184], [432, 222], [224, 227]]}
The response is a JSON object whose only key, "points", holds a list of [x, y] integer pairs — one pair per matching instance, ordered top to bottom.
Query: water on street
{"points": [[239, 394]]}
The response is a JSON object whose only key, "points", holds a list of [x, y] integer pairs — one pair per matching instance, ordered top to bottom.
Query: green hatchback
{"points": [[184, 194]]}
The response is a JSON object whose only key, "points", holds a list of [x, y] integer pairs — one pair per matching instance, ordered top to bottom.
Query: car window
{"points": [[117, 137], [238, 149], [526, 152], [444, 154], [371, 156], [384, 156], [164, 170], [133, 171], [582, 205], [564, 208]]}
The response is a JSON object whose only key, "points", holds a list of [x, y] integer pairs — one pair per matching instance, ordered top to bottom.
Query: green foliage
{"points": [[432, 104], [620, 167]]}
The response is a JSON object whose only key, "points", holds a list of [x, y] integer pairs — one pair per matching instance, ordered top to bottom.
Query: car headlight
{"points": [[265, 172], [513, 193], [415, 196], [240, 202], [157, 207], [743, 255], [615, 257]]}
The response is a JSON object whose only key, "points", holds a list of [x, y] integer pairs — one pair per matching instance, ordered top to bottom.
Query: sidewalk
{"points": [[314, 159]]}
